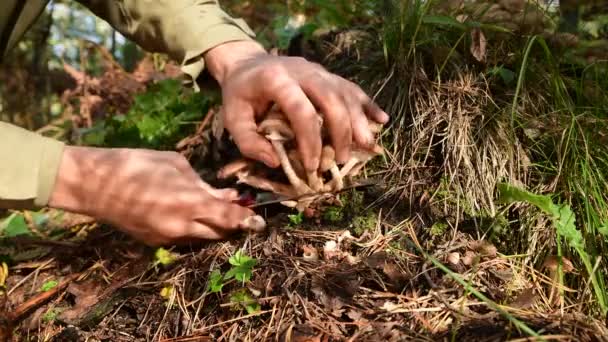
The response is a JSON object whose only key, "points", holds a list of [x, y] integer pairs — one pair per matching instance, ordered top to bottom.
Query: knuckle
{"points": [[299, 59], [273, 72]]}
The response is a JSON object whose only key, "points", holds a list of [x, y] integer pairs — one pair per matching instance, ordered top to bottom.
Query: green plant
{"points": [[158, 118], [333, 214], [295, 219], [564, 221], [364, 222], [14, 225], [438, 228], [164, 257], [241, 269], [216, 282], [48, 285], [242, 299], [50, 315]]}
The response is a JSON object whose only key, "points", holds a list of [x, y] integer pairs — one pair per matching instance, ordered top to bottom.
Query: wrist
{"points": [[223, 59], [69, 192]]}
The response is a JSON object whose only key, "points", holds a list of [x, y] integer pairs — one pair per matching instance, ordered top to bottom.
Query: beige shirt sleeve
{"points": [[183, 29], [29, 167]]}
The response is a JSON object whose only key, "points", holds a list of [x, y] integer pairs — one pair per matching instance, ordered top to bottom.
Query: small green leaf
{"points": [[443, 20], [505, 74], [562, 215], [295, 219], [14, 225], [603, 229], [164, 257], [240, 259], [242, 266], [216, 282], [49, 285], [243, 299], [50, 315]]}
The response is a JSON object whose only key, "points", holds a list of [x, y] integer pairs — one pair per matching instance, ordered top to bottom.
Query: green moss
{"points": [[333, 214], [362, 223], [439, 228]]}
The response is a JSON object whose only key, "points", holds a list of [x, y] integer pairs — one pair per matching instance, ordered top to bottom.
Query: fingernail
{"points": [[384, 117], [254, 223]]}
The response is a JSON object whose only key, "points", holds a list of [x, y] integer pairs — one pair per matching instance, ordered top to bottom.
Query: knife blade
{"points": [[279, 199]]}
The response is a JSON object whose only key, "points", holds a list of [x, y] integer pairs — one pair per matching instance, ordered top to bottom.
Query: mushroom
{"points": [[278, 132], [294, 159], [358, 159], [328, 163], [241, 169], [306, 187], [254, 224], [551, 264]]}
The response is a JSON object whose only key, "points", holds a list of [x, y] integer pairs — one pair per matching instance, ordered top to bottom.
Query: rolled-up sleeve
{"points": [[183, 29], [29, 167]]}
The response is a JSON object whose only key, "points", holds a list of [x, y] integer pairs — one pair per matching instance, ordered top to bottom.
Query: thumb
{"points": [[239, 121], [222, 214]]}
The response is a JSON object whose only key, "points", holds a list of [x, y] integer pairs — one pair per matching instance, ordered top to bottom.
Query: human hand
{"points": [[252, 80], [154, 196]]}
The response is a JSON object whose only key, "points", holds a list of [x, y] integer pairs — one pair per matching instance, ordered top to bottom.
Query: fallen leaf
{"points": [[478, 45], [86, 295], [524, 300]]}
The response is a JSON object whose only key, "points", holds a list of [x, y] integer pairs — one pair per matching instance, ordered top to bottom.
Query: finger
{"points": [[326, 93], [372, 110], [300, 112], [239, 121], [362, 134], [228, 195], [222, 214], [199, 230]]}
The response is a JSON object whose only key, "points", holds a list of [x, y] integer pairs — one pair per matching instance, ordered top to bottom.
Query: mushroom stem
{"points": [[350, 164], [337, 181], [314, 182], [266, 184], [300, 187]]}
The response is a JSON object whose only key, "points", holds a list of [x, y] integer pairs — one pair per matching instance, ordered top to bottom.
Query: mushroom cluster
{"points": [[307, 187]]}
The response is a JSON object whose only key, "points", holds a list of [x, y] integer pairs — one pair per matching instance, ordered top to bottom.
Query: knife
{"points": [[278, 198]]}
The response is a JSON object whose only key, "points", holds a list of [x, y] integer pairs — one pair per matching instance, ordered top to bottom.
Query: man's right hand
{"points": [[154, 196]]}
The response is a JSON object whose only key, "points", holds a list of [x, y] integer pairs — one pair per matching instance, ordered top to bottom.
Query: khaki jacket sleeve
{"points": [[183, 29], [29, 164]]}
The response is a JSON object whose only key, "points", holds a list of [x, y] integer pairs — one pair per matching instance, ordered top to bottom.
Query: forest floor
{"points": [[360, 278]]}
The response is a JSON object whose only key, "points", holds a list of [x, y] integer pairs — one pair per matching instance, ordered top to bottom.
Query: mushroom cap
{"points": [[374, 126], [276, 129], [366, 154], [328, 158], [233, 168], [551, 263]]}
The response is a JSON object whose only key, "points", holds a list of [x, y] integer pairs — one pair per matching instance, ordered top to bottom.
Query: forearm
{"points": [[183, 29], [30, 163]]}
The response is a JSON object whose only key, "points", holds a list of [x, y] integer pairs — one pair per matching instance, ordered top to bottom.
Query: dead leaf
{"points": [[478, 45], [86, 296], [524, 300]]}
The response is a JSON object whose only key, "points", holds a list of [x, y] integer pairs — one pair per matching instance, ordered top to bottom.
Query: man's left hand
{"points": [[252, 80]]}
